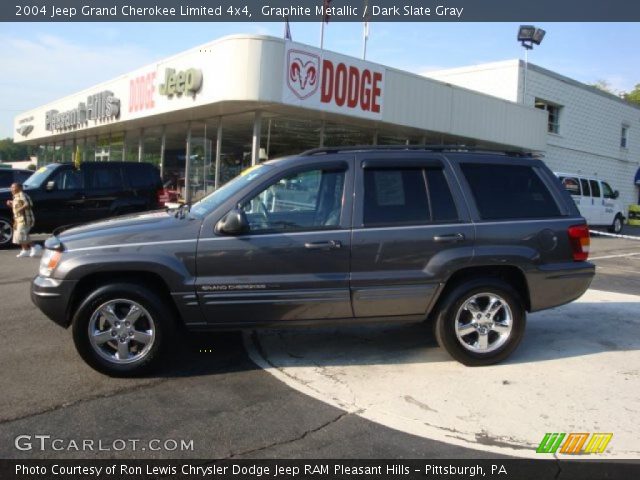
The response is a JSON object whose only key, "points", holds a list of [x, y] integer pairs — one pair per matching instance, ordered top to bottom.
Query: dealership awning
{"points": [[637, 180]]}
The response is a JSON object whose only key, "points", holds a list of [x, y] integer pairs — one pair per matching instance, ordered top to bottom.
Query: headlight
{"points": [[49, 262]]}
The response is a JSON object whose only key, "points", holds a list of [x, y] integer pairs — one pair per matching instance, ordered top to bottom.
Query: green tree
{"points": [[633, 96], [12, 152]]}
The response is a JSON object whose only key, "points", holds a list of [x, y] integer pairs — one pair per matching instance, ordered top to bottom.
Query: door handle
{"points": [[449, 238], [330, 245]]}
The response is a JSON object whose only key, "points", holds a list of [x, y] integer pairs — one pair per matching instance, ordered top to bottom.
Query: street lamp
{"points": [[528, 35]]}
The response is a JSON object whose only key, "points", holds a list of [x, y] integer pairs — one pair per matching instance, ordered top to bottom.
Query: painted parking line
{"points": [[614, 235], [621, 255], [577, 370]]}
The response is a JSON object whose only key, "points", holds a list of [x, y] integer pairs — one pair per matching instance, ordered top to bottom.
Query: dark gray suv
{"points": [[469, 240]]}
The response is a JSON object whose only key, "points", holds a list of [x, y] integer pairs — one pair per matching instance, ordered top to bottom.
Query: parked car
{"points": [[13, 175], [63, 195], [595, 199], [468, 240]]}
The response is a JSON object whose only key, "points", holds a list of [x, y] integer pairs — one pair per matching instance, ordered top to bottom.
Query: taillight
{"points": [[163, 196], [580, 242]]}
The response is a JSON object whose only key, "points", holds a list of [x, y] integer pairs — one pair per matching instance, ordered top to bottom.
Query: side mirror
{"points": [[51, 185], [616, 194], [233, 223]]}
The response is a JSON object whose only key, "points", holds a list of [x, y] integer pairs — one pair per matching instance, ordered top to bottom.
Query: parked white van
{"points": [[595, 199]]}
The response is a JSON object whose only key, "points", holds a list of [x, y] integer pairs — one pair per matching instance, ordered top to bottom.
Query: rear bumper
{"points": [[557, 284], [52, 297]]}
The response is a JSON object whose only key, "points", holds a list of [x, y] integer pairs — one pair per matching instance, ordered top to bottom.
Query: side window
{"points": [[140, 176], [105, 177], [67, 179], [571, 185], [595, 188], [586, 190], [607, 191], [505, 192], [395, 197], [310, 200]]}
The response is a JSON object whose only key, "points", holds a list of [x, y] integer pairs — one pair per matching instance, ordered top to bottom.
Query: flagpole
{"points": [[322, 34], [364, 40]]}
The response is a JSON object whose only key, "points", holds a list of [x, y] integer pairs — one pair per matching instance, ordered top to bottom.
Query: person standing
{"points": [[23, 220]]}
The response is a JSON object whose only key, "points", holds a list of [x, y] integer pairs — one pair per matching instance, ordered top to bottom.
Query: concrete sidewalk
{"points": [[577, 370]]}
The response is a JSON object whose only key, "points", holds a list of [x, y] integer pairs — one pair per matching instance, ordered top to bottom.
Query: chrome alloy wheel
{"points": [[6, 231], [483, 323], [121, 331]]}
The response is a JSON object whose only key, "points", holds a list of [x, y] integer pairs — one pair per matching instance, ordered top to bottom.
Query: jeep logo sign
{"points": [[326, 81], [184, 82]]}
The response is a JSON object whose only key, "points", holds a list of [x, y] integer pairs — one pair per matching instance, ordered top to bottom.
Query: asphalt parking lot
{"points": [[365, 392]]}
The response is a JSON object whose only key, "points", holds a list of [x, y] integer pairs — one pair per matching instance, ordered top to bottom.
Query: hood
{"points": [[156, 226]]}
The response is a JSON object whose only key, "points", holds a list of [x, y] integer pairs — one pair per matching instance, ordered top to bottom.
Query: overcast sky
{"points": [[42, 62]]}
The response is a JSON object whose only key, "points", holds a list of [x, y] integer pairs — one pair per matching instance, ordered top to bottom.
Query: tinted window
{"points": [[142, 176], [6, 177], [105, 177], [67, 179], [571, 185], [595, 188], [509, 191], [586, 191], [395, 197], [302, 201]]}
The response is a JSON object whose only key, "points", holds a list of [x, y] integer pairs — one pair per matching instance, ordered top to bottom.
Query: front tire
{"points": [[616, 226], [6, 232], [480, 322], [122, 329]]}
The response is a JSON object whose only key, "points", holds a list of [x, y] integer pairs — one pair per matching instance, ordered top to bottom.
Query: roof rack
{"points": [[428, 148]]}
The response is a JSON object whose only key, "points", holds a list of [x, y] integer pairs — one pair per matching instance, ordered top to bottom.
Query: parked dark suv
{"points": [[64, 195], [466, 239]]}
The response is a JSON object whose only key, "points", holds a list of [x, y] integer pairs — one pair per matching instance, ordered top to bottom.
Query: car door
{"points": [[104, 187], [60, 199], [587, 207], [407, 226], [293, 262]]}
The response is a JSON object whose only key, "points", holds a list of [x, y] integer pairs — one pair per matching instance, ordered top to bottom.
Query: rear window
{"points": [[6, 177], [21, 177], [571, 185], [504, 192], [406, 196]]}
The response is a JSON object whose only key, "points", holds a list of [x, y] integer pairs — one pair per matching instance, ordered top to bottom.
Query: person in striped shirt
{"points": [[23, 220]]}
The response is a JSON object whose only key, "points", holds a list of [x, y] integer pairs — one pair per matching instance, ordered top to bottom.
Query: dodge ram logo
{"points": [[303, 73], [24, 130]]}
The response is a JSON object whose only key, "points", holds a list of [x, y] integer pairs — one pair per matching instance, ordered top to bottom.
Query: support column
{"points": [[321, 134], [140, 145], [255, 145], [162, 147], [218, 154], [187, 167]]}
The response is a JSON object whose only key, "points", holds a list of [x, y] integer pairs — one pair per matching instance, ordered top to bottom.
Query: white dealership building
{"points": [[207, 113]]}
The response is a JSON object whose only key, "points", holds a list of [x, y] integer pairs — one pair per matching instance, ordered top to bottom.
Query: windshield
{"points": [[35, 180], [209, 203]]}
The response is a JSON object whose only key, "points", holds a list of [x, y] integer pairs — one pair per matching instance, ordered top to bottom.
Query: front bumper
{"points": [[52, 297]]}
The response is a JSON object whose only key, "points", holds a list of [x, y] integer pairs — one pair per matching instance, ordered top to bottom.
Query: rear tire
{"points": [[616, 226], [6, 232], [480, 322], [122, 329]]}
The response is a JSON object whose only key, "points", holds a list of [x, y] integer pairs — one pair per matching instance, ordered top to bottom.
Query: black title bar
{"points": [[317, 10]]}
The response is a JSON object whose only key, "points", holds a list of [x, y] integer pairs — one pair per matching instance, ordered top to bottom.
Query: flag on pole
{"points": [[326, 4], [287, 29], [365, 31]]}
